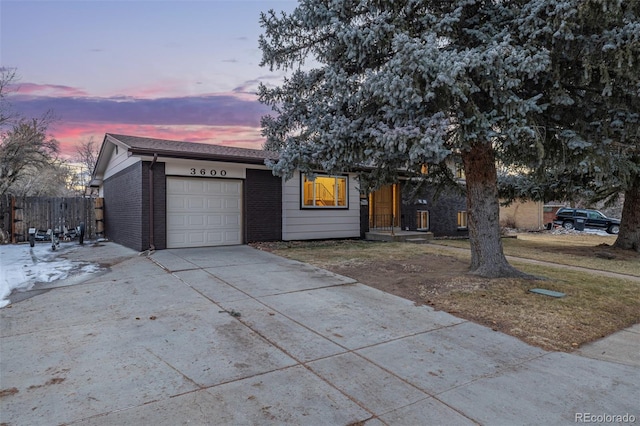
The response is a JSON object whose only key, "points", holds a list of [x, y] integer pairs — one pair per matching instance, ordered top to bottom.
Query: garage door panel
{"points": [[173, 185], [213, 186], [196, 187], [232, 189], [176, 203], [195, 203], [214, 204], [232, 204], [203, 212], [231, 220], [176, 221], [195, 221], [214, 221], [229, 235], [194, 238], [215, 238], [178, 239]]}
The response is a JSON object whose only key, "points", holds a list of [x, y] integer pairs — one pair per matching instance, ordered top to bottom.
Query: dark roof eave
{"points": [[198, 156]]}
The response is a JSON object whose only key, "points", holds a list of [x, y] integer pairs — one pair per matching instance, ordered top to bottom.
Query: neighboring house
{"points": [[166, 194], [526, 215]]}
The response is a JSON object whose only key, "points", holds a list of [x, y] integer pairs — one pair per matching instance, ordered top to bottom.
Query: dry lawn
{"points": [[595, 305]]}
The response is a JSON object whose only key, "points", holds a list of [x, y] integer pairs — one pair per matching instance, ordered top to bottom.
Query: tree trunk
{"points": [[629, 235], [487, 257]]}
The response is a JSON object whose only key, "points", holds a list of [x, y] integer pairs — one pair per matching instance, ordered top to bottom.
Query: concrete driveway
{"points": [[237, 336]]}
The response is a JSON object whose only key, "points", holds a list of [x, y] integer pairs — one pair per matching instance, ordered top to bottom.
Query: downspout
{"points": [[152, 247]]}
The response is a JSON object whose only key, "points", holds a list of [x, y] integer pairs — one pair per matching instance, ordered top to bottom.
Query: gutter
{"points": [[202, 156], [152, 246]]}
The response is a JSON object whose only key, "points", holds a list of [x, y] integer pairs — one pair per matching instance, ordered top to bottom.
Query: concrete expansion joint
{"points": [[164, 268], [173, 271], [288, 353], [159, 358], [496, 373], [427, 394], [348, 396]]}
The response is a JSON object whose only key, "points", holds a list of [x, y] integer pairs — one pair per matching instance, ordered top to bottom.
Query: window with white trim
{"points": [[324, 192], [462, 219], [422, 220]]}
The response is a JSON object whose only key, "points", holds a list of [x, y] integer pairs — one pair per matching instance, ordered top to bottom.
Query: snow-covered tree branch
{"points": [[397, 84]]}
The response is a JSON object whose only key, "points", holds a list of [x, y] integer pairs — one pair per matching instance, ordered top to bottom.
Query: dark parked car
{"points": [[576, 218]]}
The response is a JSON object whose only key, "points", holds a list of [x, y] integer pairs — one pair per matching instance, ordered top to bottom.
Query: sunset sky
{"points": [[183, 70]]}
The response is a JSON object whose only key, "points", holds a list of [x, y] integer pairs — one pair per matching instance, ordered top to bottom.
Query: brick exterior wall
{"points": [[263, 206], [126, 207], [123, 211], [443, 211]]}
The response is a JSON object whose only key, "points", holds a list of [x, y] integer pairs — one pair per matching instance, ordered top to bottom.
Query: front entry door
{"points": [[384, 207]]}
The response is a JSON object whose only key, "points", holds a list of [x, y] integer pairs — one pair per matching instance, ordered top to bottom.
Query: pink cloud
{"points": [[56, 90], [204, 110], [231, 119], [70, 135]]}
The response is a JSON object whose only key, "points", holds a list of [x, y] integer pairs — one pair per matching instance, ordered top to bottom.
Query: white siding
{"points": [[119, 161], [311, 224]]}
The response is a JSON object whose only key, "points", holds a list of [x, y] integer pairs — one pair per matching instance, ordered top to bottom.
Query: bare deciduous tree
{"points": [[7, 76], [25, 146], [87, 154], [56, 179]]}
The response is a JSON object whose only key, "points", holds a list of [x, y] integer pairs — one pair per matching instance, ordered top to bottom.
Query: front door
{"points": [[384, 207]]}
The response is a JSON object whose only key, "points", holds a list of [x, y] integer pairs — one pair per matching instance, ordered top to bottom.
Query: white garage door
{"points": [[203, 212]]}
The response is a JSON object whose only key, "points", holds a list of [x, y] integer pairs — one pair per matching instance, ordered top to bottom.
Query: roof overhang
{"points": [[194, 156]]}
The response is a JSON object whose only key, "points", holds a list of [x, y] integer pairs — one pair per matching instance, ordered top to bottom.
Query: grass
{"points": [[573, 250], [595, 305]]}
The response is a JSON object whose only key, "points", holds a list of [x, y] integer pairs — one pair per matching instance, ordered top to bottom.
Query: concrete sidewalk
{"points": [[233, 335]]}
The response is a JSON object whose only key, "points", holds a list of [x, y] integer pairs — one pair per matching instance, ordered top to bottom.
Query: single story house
{"points": [[162, 194], [168, 194]]}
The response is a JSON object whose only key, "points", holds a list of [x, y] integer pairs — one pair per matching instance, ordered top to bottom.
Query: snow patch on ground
{"points": [[560, 231], [22, 267]]}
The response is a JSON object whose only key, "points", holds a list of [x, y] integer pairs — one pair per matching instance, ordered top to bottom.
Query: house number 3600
{"points": [[205, 172]]}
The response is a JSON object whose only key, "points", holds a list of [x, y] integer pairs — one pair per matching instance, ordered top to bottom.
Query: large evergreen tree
{"points": [[397, 84], [591, 122]]}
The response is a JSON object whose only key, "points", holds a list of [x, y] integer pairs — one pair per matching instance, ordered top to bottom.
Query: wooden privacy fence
{"points": [[18, 214]]}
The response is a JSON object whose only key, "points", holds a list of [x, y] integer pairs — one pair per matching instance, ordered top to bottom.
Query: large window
{"points": [[324, 192], [462, 220]]}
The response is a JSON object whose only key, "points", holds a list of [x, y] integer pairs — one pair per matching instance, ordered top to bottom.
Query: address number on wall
{"points": [[207, 172]]}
